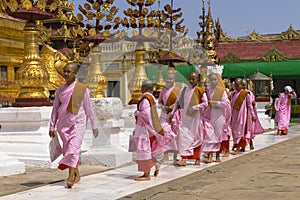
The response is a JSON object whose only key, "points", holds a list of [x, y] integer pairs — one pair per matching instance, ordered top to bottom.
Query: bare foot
{"points": [[236, 152], [226, 154], [218, 157], [209, 159], [197, 162], [181, 163], [157, 167], [142, 178], [77, 179], [69, 184]]}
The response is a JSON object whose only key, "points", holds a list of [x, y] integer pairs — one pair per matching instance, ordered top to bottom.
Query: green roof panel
{"points": [[284, 69]]}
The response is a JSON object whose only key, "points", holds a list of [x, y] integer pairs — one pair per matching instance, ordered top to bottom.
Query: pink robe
{"points": [[284, 110], [239, 118], [215, 120], [71, 127], [256, 127], [143, 130], [190, 133], [169, 142]]}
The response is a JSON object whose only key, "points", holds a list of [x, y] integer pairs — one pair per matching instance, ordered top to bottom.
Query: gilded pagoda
{"points": [[275, 55]]}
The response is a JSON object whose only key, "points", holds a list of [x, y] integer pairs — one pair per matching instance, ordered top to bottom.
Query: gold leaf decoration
{"points": [[131, 2], [26, 4], [41, 4], [13, 5], [53, 6], [87, 6], [96, 6], [106, 6], [114, 10], [130, 11], [145, 11], [89, 15], [99, 15], [79, 17], [109, 17], [117, 20], [132, 20], [141, 20], [125, 21], [80, 31], [92, 32], [134, 32], [106, 33]]}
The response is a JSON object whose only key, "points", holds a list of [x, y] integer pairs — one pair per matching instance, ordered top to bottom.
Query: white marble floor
{"points": [[119, 182]]}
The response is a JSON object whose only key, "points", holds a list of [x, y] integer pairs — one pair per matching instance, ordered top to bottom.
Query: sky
{"points": [[238, 17]]}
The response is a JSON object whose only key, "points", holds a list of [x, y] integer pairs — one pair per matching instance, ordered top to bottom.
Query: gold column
{"points": [[10, 73], [139, 74], [32, 77], [95, 79]]}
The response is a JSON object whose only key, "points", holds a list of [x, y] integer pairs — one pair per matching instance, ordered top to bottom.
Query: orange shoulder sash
{"points": [[173, 96], [76, 98], [196, 99], [240, 99], [155, 118]]}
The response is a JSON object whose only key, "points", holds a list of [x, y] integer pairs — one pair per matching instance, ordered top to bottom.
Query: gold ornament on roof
{"points": [[26, 4], [41, 4], [13, 5], [53, 6], [92, 32], [106, 33]]}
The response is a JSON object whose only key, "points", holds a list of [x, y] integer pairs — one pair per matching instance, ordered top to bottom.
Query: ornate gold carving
{"points": [[26, 4], [13, 5], [290, 34], [209, 40], [273, 55], [230, 58], [50, 60], [32, 77], [8, 92]]}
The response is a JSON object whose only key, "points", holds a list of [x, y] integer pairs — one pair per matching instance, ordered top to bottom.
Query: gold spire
{"points": [[209, 40]]}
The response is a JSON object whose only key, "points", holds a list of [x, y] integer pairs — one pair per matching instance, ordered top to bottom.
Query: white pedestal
{"points": [[24, 134], [106, 149]]}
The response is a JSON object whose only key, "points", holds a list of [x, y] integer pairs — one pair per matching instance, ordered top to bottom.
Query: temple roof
{"points": [[252, 50]]}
